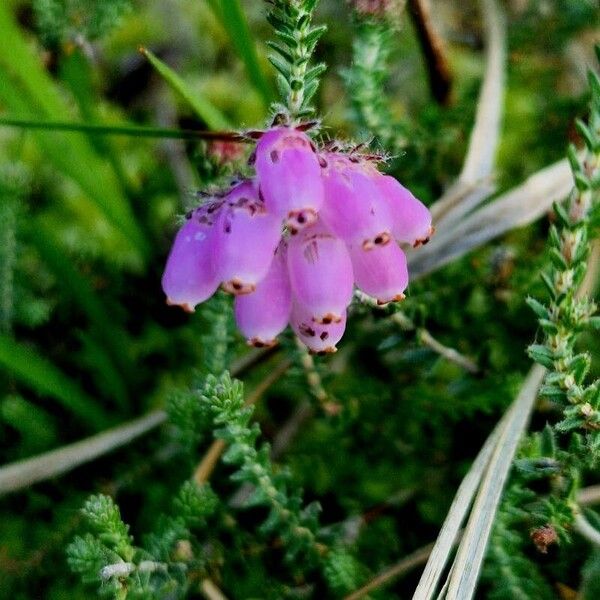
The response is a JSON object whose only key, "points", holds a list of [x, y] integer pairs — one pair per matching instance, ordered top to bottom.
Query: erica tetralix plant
{"points": [[291, 242]]}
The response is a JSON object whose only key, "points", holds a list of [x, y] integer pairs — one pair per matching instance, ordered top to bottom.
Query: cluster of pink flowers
{"points": [[291, 243]]}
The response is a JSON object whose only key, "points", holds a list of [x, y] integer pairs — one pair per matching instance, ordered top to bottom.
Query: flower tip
{"points": [[299, 219], [381, 239], [426, 239], [237, 287], [396, 298], [186, 306], [328, 319], [257, 342], [324, 352]]}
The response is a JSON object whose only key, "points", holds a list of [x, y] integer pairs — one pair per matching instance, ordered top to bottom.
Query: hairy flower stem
{"points": [[296, 41], [365, 80], [570, 311]]}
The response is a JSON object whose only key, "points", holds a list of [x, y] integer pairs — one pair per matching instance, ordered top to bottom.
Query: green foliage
{"points": [[231, 15], [61, 21], [296, 41], [367, 77], [96, 162], [552, 457], [294, 524]]}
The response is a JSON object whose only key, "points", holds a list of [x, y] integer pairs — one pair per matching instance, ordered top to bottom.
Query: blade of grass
{"points": [[231, 15], [29, 91], [207, 111], [126, 130], [474, 182], [516, 208], [78, 287], [42, 376], [24, 473], [446, 540], [471, 551]]}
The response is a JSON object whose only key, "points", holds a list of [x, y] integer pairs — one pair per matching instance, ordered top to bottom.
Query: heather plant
{"points": [[273, 276]]}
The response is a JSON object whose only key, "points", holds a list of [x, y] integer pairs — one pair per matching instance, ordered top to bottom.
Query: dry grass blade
{"points": [[473, 184], [516, 208], [27, 472], [22, 474], [456, 515], [471, 551]]}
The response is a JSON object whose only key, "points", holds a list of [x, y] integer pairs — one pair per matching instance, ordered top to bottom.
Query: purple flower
{"points": [[289, 176], [354, 207], [344, 219], [411, 219], [246, 236], [381, 272], [320, 273], [190, 277], [262, 315], [317, 337]]}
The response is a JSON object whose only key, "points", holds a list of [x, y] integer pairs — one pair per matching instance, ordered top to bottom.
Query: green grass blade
{"points": [[231, 15], [28, 90], [207, 111], [126, 130], [76, 286], [33, 370]]}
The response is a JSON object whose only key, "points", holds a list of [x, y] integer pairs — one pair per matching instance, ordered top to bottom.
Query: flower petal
{"points": [[289, 176], [354, 208], [411, 219], [246, 239], [381, 272], [320, 273], [190, 277], [262, 315], [319, 338]]}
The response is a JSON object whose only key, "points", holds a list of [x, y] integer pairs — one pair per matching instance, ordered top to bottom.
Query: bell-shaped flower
{"points": [[289, 176], [354, 208], [411, 219], [246, 236], [381, 272], [320, 273], [190, 276], [262, 315], [319, 338]]}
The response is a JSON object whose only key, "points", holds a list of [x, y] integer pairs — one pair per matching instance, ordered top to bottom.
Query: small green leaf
{"points": [[209, 113], [542, 355]]}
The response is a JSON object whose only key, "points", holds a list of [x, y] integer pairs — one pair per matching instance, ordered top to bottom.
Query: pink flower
{"points": [[289, 176], [354, 207], [411, 219], [344, 221], [246, 237], [381, 272], [320, 273], [190, 276], [262, 315], [317, 337]]}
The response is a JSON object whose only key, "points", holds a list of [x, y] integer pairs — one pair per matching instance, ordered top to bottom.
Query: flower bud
{"points": [[289, 176], [246, 237]]}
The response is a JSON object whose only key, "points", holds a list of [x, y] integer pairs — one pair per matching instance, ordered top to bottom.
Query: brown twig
{"points": [[432, 45], [418, 557]]}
